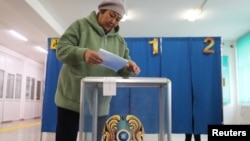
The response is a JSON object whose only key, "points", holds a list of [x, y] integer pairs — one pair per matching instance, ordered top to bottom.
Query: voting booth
{"points": [[194, 104], [118, 126]]}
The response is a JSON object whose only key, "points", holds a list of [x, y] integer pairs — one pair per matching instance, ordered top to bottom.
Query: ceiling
{"points": [[39, 20]]}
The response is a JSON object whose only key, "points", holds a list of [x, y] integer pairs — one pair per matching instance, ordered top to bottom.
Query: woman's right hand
{"points": [[92, 57]]}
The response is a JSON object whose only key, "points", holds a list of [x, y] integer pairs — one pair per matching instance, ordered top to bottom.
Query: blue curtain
{"points": [[176, 66], [53, 67], [196, 83], [206, 84], [144, 101]]}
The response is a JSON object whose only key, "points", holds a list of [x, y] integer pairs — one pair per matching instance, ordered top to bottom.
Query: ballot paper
{"points": [[112, 61]]}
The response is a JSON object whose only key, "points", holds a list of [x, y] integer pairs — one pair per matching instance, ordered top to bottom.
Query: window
{"points": [[243, 58], [225, 80], [1, 83], [10, 86], [18, 86], [32, 88], [38, 90], [27, 94]]}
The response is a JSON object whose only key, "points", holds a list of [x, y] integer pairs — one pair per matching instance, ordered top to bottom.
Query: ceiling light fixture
{"points": [[194, 14], [125, 16], [18, 35], [41, 49]]}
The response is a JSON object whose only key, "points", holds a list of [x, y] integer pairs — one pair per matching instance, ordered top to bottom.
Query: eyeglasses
{"points": [[114, 15]]}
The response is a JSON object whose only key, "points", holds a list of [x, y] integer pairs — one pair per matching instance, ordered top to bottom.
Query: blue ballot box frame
{"points": [[164, 109]]}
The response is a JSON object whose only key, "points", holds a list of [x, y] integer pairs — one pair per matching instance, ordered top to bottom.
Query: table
{"points": [[163, 84]]}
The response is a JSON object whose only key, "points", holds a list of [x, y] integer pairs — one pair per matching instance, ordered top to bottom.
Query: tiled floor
{"points": [[26, 130], [30, 130]]}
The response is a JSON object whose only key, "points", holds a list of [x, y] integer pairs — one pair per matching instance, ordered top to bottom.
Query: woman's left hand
{"points": [[131, 66]]}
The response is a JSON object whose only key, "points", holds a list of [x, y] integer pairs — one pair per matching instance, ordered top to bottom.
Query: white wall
{"points": [[15, 109], [230, 109], [234, 113]]}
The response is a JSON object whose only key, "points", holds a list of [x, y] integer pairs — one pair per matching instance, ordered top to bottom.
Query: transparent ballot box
{"points": [[125, 109]]}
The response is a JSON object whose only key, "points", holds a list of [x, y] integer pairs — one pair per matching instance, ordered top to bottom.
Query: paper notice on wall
{"points": [[111, 60]]}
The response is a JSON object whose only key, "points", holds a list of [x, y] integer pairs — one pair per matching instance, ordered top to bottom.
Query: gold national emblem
{"points": [[123, 128]]}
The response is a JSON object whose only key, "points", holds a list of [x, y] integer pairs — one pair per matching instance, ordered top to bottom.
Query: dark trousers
{"points": [[68, 125], [188, 137]]}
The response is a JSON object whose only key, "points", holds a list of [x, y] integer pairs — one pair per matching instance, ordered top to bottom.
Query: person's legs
{"points": [[101, 122], [67, 125], [188, 137], [197, 137]]}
